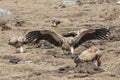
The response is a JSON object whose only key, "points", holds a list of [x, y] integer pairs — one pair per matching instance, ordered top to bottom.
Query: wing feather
{"points": [[89, 34], [34, 37]]}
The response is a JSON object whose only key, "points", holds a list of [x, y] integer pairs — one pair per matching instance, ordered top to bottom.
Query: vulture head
{"points": [[17, 42], [67, 42]]}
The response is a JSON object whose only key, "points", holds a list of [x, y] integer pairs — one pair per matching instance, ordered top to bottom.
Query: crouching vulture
{"points": [[92, 54]]}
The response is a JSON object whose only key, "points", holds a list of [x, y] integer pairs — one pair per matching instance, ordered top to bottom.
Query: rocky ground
{"points": [[49, 62]]}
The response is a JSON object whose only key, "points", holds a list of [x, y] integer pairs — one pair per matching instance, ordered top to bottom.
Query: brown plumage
{"points": [[17, 42], [67, 43], [92, 54]]}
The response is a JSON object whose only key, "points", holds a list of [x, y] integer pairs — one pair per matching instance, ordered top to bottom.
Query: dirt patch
{"points": [[47, 61]]}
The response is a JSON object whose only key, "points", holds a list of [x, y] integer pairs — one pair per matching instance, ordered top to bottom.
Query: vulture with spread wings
{"points": [[67, 42]]}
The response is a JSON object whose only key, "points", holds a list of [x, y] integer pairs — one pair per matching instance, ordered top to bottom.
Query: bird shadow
{"points": [[61, 55]]}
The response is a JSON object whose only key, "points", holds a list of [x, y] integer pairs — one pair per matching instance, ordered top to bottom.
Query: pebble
{"points": [[4, 12]]}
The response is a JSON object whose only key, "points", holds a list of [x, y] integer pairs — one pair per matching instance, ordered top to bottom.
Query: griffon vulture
{"points": [[17, 42], [67, 43], [92, 54]]}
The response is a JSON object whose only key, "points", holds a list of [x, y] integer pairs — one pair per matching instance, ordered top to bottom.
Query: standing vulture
{"points": [[67, 43]]}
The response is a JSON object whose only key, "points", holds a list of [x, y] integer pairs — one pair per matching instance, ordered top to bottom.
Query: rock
{"points": [[69, 2], [118, 2], [59, 6], [4, 12], [55, 22], [3, 23], [19, 23], [4, 27], [115, 33], [50, 52], [68, 56], [14, 60], [87, 67], [64, 69], [115, 69], [37, 73], [82, 75]]}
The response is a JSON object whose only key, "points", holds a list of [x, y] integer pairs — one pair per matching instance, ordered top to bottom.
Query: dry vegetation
{"points": [[41, 63]]}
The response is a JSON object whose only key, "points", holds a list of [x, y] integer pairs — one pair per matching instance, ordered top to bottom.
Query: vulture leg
{"points": [[96, 63]]}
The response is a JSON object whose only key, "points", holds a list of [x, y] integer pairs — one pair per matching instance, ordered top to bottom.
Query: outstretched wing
{"points": [[89, 34], [34, 37]]}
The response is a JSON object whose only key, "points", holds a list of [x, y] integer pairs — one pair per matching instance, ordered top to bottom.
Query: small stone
{"points": [[118, 2], [4, 12], [55, 22], [19, 23], [14, 60]]}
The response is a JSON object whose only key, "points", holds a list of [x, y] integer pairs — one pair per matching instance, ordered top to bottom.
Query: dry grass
{"points": [[35, 64]]}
